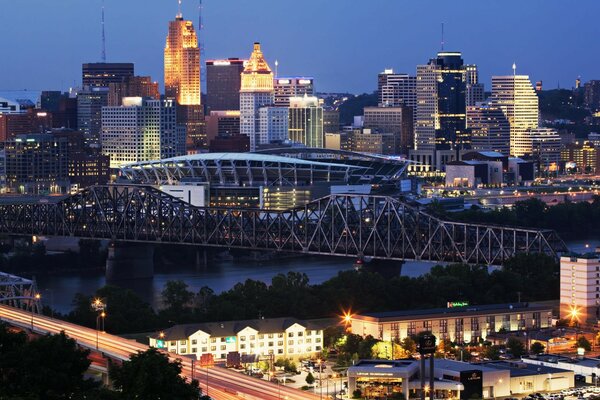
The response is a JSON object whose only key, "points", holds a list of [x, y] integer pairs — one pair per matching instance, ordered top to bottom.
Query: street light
{"points": [[36, 298], [99, 306]]}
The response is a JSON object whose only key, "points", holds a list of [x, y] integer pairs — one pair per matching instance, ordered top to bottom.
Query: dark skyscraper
{"points": [[102, 74], [223, 82]]}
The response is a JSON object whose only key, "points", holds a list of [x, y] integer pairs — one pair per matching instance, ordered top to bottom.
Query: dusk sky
{"points": [[342, 43]]}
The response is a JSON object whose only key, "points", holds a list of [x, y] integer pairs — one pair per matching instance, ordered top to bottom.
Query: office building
{"points": [[103, 74], [182, 79], [223, 82], [134, 86], [288, 87], [396, 90], [256, 91], [475, 92], [516, 96], [591, 96], [441, 104], [9, 106], [62, 106], [89, 113], [28, 121], [306, 121], [331, 121], [397, 121], [222, 124], [273, 124], [490, 129], [141, 130], [371, 142], [229, 144], [545, 148], [582, 158], [35, 164], [473, 173], [580, 288], [460, 323], [280, 337]]}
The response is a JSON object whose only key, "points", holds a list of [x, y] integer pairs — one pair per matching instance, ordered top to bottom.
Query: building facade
{"points": [[103, 74], [223, 83], [135, 86], [288, 87], [396, 89], [256, 91], [475, 91], [517, 97], [89, 113], [30, 121], [306, 121], [397, 121], [273, 124], [490, 129], [141, 130], [545, 148], [584, 157], [580, 288], [460, 324], [281, 337]]}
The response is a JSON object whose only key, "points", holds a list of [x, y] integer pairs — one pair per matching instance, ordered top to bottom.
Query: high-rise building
{"points": [[182, 63], [103, 74], [182, 79], [223, 82], [134, 86], [287, 87], [396, 90], [256, 91], [475, 91], [592, 94], [516, 96], [441, 104], [63, 108], [89, 113], [30, 121], [306, 121], [331, 121], [397, 121], [222, 124], [273, 124], [141, 130], [490, 130], [368, 141], [545, 148], [579, 301]]}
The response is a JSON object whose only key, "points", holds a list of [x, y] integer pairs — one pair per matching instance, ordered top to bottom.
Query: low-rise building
{"points": [[473, 173], [461, 324], [282, 337]]}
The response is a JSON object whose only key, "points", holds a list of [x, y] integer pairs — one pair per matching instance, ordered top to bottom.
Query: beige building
{"points": [[580, 288], [458, 323], [282, 337]]}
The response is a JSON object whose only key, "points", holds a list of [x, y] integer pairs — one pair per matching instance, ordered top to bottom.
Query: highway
{"points": [[223, 384]]}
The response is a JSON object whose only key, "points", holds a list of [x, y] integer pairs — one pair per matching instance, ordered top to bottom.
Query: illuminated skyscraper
{"points": [[182, 63], [287, 87], [396, 90], [256, 91], [474, 91], [516, 96], [306, 121], [490, 130]]}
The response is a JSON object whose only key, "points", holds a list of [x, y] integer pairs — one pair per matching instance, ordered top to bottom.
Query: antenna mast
{"points": [[103, 36], [442, 36], [201, 42]]}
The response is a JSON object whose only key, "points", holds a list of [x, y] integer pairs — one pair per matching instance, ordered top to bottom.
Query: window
{"points": [[443, 326], [291, 334], [300, 334], [280, 335], [261, 336], [270, 336], [252, 337], [242, 338], [222, 339], [213, 340], [308, 340], [318, 340], [182, 341], [194, 341], [290, 342], [173, 343], [280, 343], [270, 344], [242, 346], [224, 347], [213, 348], [194, 350], [183, 351], [279, 351], [291, 351]]}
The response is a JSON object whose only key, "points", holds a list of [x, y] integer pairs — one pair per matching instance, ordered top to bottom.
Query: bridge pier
{"points": [[129, 261]]}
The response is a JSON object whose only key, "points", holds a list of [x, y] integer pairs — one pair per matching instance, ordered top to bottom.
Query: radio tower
{"points": [[103, 36], [201, 44]]}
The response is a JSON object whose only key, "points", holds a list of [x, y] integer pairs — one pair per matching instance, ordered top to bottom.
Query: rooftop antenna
{"points": [[179, 14], [103, 36], [442, 36], [201, 41], [514, 67], [276, 68]]}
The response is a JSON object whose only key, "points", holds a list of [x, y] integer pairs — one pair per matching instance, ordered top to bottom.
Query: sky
{"points": [[343, 44]]}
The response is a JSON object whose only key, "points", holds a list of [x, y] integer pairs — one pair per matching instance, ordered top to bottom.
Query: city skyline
{"points": [[393, 35]]}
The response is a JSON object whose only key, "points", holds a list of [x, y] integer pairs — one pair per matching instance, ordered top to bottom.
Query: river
{"points": [[58, 290]]}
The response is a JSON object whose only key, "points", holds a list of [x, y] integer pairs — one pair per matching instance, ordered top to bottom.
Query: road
{"points": [[223, 384]]}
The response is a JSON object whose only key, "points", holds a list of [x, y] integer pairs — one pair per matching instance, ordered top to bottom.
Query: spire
{"points": [[179, 14], [514, 67], [257, 75]]}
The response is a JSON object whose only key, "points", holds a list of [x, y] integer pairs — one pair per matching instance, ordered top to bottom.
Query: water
{"points": [[58, 290]]}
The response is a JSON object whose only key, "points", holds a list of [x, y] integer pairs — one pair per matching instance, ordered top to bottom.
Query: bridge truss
{"points": [[344, 225], [19, 292]]}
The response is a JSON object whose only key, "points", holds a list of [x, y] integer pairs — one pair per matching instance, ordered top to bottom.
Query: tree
{"points": [[175, 295], [584, 343], [409, 345], [515, 346], [537, 348], [492, 352], [150, 375], [310, 379]]}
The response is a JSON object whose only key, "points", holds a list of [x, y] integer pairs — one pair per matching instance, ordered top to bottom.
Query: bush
{"points": [[357, 394]]}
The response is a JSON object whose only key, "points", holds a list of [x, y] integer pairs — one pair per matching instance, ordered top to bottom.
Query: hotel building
{"points": [[580, 288]]}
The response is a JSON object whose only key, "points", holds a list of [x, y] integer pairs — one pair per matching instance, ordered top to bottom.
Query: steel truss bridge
{"points": [[344, 225], [19, 292]]}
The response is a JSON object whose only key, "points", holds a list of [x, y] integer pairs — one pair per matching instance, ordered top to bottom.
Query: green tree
{"points": [[176, 296], [584, 343], [409, 345], [515, 346], [537, 348], [492, 352], [150, 375], [310, 379]]}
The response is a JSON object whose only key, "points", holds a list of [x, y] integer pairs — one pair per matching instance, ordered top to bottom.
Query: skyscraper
{"points": [[103, 74], [182, 79], [223, 82], [134, 86], [287, 87], [396, 90], [475, 90], [256, 91], [517, 98], [441, 104], [89, 113], [306, 121], [396, 121], [273, 124], [141, 130], [490, 130]]}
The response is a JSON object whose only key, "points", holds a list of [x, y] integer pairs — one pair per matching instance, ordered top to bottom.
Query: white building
{"points": [[396, 89], [516, 96], [273, 124], [142, 129], [580, 288], [282, 337]]}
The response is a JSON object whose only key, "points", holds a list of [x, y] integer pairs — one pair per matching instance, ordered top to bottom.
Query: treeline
{"points": [[571, 220], [528, 277]]}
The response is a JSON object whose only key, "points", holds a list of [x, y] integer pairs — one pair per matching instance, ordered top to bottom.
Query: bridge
{"points": [[358, 226], [219, 383]]}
